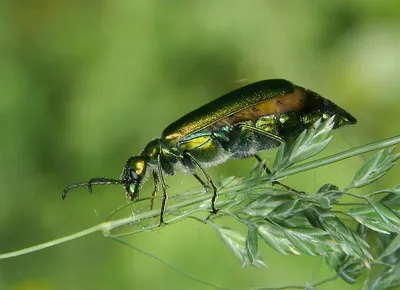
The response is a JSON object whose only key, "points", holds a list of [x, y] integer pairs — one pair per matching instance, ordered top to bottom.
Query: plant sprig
{"points": [[290, 222]]}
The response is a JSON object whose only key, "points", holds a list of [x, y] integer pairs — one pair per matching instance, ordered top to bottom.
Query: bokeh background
{"points": [[86, 84]]}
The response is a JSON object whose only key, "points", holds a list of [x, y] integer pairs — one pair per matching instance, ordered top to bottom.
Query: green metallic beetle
{"points": [[257, 117]]}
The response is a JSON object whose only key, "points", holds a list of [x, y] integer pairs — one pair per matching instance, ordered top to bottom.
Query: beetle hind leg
{"points": [[268, 171], [209, 180], [205, 185], [153, 195], [165, 195]]}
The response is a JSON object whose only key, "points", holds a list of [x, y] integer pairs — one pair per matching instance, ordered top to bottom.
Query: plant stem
{"points": [[339, 156], [106, 227]]}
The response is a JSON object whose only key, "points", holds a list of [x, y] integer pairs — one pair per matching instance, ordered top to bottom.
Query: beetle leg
{"points": [[261, 132], [274, 137], [265, 167], [205, 185], [164, 187], [153, 195], [215, 195]]}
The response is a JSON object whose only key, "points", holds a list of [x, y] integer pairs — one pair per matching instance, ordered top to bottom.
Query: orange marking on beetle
{"points": [[275, 106]]}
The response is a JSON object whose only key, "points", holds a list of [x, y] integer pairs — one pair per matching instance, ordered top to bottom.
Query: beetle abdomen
{"points": [[281, 113]]}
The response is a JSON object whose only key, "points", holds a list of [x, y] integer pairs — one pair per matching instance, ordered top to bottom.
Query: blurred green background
{"points": [[86, 84]]}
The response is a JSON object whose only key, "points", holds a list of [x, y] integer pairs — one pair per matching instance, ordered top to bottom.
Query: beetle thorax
{"points": [[152, 149]]}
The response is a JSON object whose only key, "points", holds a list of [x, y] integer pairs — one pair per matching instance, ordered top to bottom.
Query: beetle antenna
{"points": [[93, 181]]}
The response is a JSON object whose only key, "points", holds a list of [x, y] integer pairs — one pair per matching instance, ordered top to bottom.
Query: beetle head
{"points": [[133, 174], [131, 178]]}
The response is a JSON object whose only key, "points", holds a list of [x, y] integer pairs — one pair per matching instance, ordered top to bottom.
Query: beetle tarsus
{"points": [[268, 171], [286, 187], [213, 200], [213, 209]]}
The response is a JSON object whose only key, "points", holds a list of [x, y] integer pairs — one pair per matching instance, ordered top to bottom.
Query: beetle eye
{"points": [[134, 175]]}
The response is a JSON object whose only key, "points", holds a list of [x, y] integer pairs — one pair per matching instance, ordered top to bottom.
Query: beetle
{"points": [[256, 117]]}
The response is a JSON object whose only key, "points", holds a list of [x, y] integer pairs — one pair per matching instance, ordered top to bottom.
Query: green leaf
{"points": [[312, 142], [306, 145], [281, 158], [374, 168], [257, 170], [228, 181], [327, 187], [330, 192], [327, 195], [393, 198], [323, 202], [263, 205], [285, 210], [387, 215], [367, 216], [313, 218], [362, 231], [275, 237], [235, 241], [311, 241], [350, 243], [391, 248], [251, 255], [347, 267], [351, 270], [387, 278]]}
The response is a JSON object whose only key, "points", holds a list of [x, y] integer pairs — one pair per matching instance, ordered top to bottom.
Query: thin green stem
{"points": [[339, 156], [382, 191], [350, 204], [105, 227], [53, 242], [169, 265], [311, 286]]}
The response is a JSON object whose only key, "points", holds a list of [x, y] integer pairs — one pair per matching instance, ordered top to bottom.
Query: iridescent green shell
{"points": [[276, 97]]}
